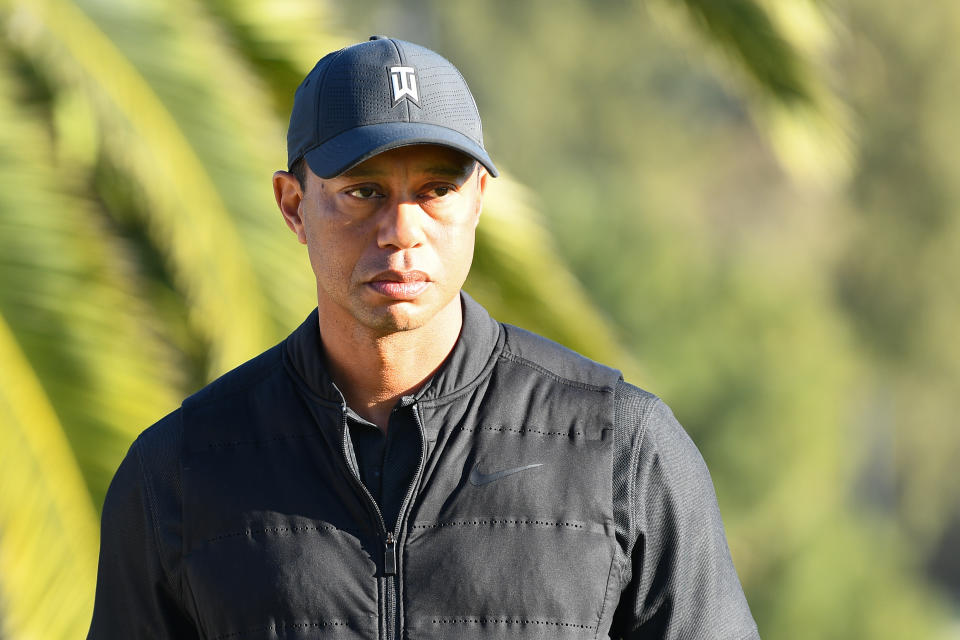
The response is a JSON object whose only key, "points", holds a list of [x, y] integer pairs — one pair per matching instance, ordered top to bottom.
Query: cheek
{"points": [[456, 249], [327, 258]]}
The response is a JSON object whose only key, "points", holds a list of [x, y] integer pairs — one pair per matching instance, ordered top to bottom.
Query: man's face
{"points": [[391, 240]]}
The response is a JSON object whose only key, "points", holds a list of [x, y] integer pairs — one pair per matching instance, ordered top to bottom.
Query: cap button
{"points": [[379, 37]]}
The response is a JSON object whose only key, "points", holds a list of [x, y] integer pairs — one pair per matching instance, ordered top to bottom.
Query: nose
{"points": [[401, 226]]}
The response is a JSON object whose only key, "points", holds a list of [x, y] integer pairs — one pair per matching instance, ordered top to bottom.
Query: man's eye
{"points": [[439, 192], [363, 193]]}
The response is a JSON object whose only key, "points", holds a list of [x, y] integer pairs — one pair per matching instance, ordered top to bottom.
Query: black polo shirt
{"points": [[387, 462]]}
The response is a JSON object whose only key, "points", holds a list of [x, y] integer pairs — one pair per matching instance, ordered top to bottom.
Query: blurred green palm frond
{"points": [[745, 29], [280, 40], [780, 49], [188, 217], [141, 253], [521, 278], [70, 292], [80, 368], [48, 526]]}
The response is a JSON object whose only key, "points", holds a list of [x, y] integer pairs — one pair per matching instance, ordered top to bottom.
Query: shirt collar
{"points": [[479, 339]]}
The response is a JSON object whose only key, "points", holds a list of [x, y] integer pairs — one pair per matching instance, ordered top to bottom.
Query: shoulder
{"points": [[556, 361], [239, 380], [258, 401], [647, 424], [158, 446], [155, 453], [152, 464], [657, 465], [663, 477], [143, 500], [680, 573]]}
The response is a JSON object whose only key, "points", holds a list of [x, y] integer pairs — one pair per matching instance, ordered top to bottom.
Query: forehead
{"points": [[418, 158]]}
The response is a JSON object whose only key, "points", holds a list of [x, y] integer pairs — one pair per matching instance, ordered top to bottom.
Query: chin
{"points": [[385, 318], [395, 318]]}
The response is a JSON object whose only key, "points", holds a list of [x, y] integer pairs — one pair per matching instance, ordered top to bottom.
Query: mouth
{"points": [[399, 285]]}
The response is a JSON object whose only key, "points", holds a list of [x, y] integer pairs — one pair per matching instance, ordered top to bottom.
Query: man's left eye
{"points": [[440, 192], [363, 193]]}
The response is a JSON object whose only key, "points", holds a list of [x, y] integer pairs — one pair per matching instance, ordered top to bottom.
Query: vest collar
{"points": [[479, 339]]}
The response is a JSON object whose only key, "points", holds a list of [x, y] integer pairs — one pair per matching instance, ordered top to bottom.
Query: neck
{"points": [[374, 371]]}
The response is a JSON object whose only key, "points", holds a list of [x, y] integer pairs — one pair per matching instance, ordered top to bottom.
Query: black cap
{"points": [[379, 95]]}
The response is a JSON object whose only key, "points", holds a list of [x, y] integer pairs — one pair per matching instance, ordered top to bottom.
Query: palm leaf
{"points": [[746, 31], [280, 40], [780, 50], [236, 136], [188, 217], [521, 278], [71, 297], [48, 527]]}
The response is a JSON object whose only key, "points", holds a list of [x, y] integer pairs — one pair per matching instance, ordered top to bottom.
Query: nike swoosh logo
{"points": [[477, 478]]}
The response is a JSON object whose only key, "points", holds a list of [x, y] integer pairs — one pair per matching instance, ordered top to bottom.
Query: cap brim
{"points": [[353, 146]]}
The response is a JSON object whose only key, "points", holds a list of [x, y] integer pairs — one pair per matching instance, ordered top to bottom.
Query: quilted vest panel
{"points": [[280, 542], [276, 543], [530, 554]]}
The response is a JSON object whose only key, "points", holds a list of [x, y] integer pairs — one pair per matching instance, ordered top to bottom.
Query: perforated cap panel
{"points": [[408, 93]]}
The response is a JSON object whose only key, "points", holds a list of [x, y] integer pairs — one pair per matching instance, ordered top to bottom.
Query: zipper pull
{"points": [[390, 556]]}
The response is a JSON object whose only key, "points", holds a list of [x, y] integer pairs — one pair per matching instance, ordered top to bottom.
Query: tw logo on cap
{"points": [[404, 83]]}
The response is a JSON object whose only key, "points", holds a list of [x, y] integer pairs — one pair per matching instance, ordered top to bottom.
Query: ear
{"points": [[482, 176], [286, 189]]}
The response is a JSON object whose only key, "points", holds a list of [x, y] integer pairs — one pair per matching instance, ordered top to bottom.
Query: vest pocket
{"points": [[283, 577], [505, 577]]}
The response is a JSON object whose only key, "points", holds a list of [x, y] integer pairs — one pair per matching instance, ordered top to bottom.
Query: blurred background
{"points": [[749, 206]]}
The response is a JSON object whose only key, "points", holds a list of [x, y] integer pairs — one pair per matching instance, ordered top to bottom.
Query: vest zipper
{"points": [[375, 509], [389, 537], [390, 555], [390, 569], [394, 592]]}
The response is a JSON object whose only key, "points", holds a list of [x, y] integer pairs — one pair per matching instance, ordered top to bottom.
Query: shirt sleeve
{"points": [[682, 581], [135, 598]]}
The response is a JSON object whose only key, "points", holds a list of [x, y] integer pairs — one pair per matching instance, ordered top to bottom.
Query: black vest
{"points": [[281, 540]]}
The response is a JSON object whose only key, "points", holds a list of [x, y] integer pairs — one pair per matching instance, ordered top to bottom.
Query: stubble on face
{"points": [[391, 241]]}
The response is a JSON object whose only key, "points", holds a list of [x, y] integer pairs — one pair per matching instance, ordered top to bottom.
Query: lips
{"points": [[400, 285]]}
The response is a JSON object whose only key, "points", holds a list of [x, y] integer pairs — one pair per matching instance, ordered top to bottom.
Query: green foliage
{"points": [[745, 29], [139, 132], [704, 202], [700, 213], [139, 255], [521, 279], [896, 281], [74, 382], [46, 517]]}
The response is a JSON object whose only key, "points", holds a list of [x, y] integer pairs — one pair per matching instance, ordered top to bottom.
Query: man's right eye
{"points": [[363, 193]]}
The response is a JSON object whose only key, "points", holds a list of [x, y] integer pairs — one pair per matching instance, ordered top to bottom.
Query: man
{"points": [[402, 465]]}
